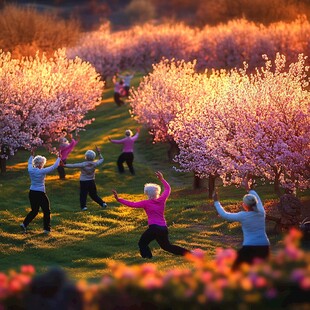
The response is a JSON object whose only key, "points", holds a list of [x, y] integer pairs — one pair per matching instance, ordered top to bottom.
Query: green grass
{"points": [[84, 242]]}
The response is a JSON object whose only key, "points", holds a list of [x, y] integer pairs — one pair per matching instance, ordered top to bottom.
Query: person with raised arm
{"points": [[65, 148], [127, 152], [87, 178], [37, 192], [154, 208], [255, 241]]}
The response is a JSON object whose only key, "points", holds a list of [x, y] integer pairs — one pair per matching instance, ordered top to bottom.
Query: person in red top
{"points": [[65, 148], [154, 208]]}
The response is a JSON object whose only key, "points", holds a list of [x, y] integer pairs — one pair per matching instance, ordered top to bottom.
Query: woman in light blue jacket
{"points": [[37, 193], [255, 241]]}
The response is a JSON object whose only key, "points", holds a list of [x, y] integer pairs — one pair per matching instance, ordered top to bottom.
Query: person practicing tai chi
{"points": [[127, 79], [65, 148], [127, 153], [87, 178], [37, 193], [154, 207], [255, 241]]}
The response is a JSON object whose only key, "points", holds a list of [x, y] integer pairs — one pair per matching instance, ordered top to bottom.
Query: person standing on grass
{"points": [[127, 79], [119, 91], [65, 148], [127, 153], [87, 178], [37, 193], [154, 207], [255, 241]]}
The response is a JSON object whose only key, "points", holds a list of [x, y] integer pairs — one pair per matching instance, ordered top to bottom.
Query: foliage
{"points": [[24, 31], [224, 46], [40, 97], [231, 123], [282, 281]]}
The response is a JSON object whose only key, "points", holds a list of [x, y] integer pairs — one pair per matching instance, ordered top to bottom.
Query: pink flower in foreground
{"points": [[29, 269]]}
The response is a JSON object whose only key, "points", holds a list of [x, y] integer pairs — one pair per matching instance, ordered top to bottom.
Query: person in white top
{"points": [[127, 79], [87, 178], [37, 193], [255, 241]]}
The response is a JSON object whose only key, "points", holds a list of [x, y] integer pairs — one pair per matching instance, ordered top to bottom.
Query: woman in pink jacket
{"points": [[127, 153], [154, 208]]}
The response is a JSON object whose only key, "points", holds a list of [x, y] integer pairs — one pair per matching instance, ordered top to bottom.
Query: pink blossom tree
{"points": [[161, 95], [40, 97], [259, 124]]}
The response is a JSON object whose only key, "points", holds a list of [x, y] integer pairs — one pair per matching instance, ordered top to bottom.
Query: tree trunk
{"points": [[173, 150], [2, 165], [197, 182], [211, 184], [277, 186]]}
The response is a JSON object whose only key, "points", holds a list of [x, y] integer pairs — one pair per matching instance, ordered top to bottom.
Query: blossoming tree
{"points": [[161, 95], [40, 97], [259, 124]]}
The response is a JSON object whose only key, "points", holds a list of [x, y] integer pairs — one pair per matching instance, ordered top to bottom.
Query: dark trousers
{"points": [[126, 88], [117, 99], [128, 158], [61, 170], [89, 187], [37, 200], [160, 234], [247, 254]]}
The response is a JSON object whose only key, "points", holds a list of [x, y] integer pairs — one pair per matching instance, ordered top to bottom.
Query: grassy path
{"points": [[83, 243]]}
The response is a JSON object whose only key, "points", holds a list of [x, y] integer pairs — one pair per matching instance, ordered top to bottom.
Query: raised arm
{"points": [[51, 168], [248, 184], [167, 188], [232, 217]]}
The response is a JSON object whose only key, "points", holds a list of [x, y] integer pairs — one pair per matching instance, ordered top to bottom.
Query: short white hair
{"points": [[128, 133], [90, 155], [39, 161], [152, 190]]}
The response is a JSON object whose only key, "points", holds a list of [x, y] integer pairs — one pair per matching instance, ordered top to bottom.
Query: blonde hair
{"points": [[128, 133], [90, 155], [39, 161], [152, 190], [251, 201]]}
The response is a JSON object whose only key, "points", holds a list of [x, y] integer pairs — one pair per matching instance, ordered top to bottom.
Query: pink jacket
{"points": [[127, 142], [66, 149], [154, 208]]}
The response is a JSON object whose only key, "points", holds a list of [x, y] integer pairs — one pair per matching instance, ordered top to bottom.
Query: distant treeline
{"points": [[122, 13]]}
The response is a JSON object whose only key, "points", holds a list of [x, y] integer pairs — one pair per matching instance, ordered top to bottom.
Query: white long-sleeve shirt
{"points": [[87, 168], [37, 176], [252, 222]]}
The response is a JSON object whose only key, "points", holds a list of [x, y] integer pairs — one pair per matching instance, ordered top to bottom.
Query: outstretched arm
{"points": [[139, 204], [226, 215]]}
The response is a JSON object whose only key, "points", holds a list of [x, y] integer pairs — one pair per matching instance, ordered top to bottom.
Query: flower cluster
{"points": [[222, 46], [40, 97], [229, 123], [282, 281]]}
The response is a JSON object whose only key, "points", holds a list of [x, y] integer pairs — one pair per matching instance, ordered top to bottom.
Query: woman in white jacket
{"points": [[255, 241]]}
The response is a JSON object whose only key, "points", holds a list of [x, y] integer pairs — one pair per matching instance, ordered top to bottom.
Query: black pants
{"points": [[126, 88], [117, 99], [128, 158], [61, 170], [89, 187], [37, 200], [160, 234], [247, 254]]}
